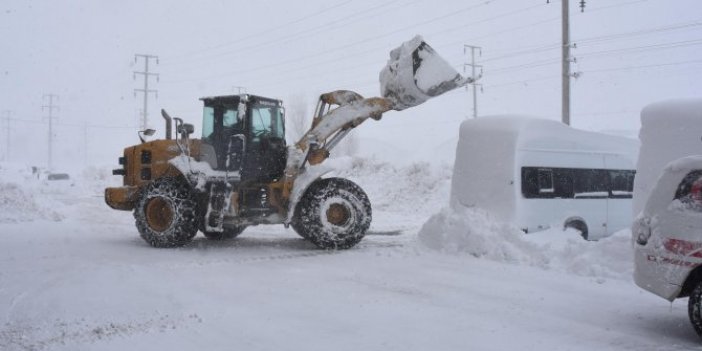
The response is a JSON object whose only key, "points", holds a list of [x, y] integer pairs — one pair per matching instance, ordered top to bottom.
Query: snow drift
{"points": [[19, 205], [476, 232]]}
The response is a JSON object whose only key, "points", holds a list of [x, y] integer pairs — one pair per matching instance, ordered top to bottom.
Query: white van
{"points": [[540, 173], [667, 232]]}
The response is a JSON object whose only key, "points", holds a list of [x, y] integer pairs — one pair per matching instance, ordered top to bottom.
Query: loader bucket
{"points": [[415, 73]]}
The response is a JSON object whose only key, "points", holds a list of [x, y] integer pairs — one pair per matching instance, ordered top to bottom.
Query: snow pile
{"points": [[93, 180], [417, 188], [23, 192], [19, 205], [476, 232], [610, 257]]}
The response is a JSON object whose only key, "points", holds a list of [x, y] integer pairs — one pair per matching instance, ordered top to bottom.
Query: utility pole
{"points": [[566, 59], [473, 66], [565, 68], [146, 74], [239, 89], [50, 117], [7, 118]]}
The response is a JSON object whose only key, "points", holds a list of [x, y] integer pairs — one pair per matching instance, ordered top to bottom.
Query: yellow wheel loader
{"points": [[241, 172]]}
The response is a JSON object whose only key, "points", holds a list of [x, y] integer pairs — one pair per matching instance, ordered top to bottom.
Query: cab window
{"points": [[230, 117], [266, 121], [207, 122]]}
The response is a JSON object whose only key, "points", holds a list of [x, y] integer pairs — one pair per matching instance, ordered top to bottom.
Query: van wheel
{"points": [[166, 213], [334, 213], [579, 226], [694, 310]]}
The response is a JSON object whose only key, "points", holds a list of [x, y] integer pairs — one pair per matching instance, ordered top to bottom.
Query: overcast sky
{"points": [[629, 53]]}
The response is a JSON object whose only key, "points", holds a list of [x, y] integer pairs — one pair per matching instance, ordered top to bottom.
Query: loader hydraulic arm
{"points": [[414, 74], [330, 125]]}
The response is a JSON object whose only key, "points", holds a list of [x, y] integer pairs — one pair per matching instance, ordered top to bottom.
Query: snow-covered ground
{"points": [[74, 275]]}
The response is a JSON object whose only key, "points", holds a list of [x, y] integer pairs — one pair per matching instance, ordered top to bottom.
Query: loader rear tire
{"points": [[166, 213], [334, 213], [228, 233]]}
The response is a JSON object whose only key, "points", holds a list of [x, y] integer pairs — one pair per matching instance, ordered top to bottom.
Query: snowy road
{"points": [[74, 275], [89, 282]]}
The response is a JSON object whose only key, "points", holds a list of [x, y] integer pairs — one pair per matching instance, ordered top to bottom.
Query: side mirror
{"points": [[187, 128], [146, 132]]}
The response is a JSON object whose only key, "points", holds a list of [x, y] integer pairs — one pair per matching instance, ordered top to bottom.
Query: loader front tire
{"points": [[166, 213], [334, 213]]}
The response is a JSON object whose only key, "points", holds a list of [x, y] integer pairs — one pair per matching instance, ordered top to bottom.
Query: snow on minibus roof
{"points": [[527, 132]]}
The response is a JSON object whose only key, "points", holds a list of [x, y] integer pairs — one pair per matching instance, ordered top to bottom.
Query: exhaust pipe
{"points": [[169, 124]]}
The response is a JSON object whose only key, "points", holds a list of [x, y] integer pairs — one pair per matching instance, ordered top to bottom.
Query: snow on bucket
{"points": [[415, 73]]}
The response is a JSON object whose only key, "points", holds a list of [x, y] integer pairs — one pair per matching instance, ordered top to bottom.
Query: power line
{"points": [[552, 19], [472, 23], [641, 32], [258, 34], [297, 35], [589, 41], [345, 46], [661, 46], [524, 65], [626, 68], [611, 69], [146, 74], [522, 81], [50, 107], [77, 125]]}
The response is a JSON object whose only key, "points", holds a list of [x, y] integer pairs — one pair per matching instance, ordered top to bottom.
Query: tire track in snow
{"points": [[276, 257], [37, 337]]}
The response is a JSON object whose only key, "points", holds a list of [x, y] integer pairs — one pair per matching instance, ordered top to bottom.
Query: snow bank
{"points": [[416, 188], [26, 194], [19, 205], [476, 232], [611, 257]]}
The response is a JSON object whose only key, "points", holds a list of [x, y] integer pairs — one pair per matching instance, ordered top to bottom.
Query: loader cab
{"points": [[246, 134]]}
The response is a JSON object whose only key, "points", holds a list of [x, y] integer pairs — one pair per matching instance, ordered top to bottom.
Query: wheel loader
{"points": [[240, 172]]}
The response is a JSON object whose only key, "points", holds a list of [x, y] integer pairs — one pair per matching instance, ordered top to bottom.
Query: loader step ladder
{"points": [[220, 199]]}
